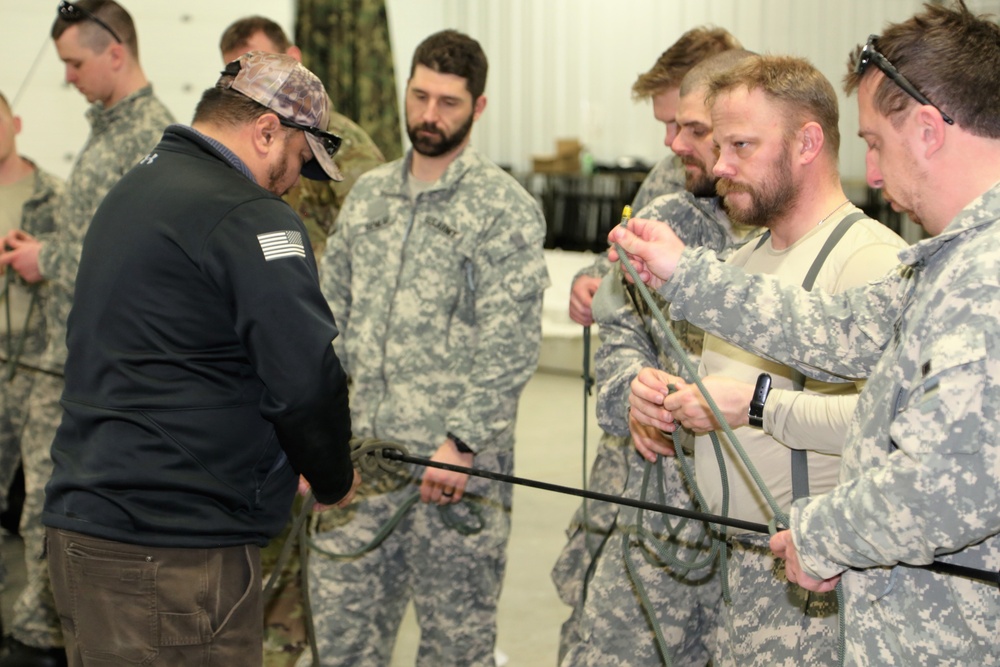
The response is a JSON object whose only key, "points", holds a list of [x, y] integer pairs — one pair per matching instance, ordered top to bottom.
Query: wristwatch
{"points": [[760, 392], [460, 444]]}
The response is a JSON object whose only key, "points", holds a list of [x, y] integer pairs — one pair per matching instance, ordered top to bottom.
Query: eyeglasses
{"points": [[74, 14], [869, 54], [331, 142]]}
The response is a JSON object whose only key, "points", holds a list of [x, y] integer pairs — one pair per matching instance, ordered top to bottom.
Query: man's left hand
{"points": [[445, 486], [783, 547]]}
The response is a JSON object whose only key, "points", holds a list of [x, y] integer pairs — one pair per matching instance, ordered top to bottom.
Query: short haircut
{"points": [[239, 33], [95, 36], [693, 46], [451, 52], [949, 55], [699, 75], [795, 84], [5, 104], [227, 107]]}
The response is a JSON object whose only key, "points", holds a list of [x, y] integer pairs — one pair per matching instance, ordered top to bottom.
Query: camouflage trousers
{"points": [[14, 396], [588, 531], [453, 579], [35, 620], [770, 621], [614, 628], [285, 634]]}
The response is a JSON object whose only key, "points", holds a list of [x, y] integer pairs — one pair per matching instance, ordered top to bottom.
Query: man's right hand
{"points": [[651, 247], [21, 253], [580, 299], [648, 390], [650, 442], [304, 488]]}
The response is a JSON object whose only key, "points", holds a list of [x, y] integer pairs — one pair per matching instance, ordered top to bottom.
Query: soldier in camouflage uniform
{"points": [[661, 84], [126, 120], [666, 177], [28, 198], [317, 203], [435, 275], [918, 478], [591, 523], [769, 621], [611, 624]]}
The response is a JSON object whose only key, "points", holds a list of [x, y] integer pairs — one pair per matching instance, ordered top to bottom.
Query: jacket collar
{"points": [[100, 118], [468, 159], [981, 211]]}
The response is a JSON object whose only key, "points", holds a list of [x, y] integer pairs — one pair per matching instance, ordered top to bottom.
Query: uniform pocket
{"points": [[114, 605]]}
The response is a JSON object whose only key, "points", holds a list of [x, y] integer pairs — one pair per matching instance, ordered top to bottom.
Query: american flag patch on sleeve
{"points": [[281, 244]]}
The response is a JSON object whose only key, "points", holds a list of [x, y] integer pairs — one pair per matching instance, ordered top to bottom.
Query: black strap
{"points": [[828, 247], [800, 462]]}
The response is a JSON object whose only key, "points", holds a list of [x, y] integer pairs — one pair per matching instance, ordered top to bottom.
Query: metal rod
{"points": [[396, 455], [938, 567]]}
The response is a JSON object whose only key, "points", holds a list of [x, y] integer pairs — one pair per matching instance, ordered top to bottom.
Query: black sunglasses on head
{"points": [[74, 14], [870, 54], [331, 142]]}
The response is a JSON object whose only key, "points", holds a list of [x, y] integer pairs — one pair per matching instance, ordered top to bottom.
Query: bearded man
{"points": [[435, 274]]}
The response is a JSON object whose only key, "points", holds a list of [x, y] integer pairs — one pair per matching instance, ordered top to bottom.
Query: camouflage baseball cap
{"points": [[283, 85]]}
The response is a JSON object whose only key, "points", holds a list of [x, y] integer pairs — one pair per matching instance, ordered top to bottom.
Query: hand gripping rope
{"points": [[374, 455], [779, 516]]}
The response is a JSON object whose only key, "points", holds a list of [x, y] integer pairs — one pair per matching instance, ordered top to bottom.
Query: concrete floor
{"points": [[549, 448]]}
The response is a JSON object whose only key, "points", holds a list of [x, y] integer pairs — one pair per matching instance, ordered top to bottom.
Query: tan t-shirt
{"points": [[12, 199], [866, 252]]}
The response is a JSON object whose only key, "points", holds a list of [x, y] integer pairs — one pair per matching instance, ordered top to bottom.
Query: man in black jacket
{"points": [[201, 381]]}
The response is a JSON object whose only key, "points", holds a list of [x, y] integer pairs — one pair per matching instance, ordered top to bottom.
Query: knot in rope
{"points": [[368, 455]]}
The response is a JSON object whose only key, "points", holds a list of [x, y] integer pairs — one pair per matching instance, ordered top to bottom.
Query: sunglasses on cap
{"points": [[74, 14], [869, 54], [331, 142]]}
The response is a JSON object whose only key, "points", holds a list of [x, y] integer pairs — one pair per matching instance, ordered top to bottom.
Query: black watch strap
{"points": [[760, 392], [460, 444]]}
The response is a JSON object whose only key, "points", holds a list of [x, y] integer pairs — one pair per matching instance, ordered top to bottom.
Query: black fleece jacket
{"points": [[201, 375]]}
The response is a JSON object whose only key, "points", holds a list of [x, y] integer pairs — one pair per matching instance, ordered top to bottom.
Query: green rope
{"points": [[14, 353], [692, 372], [588, 383], [780, 517], [299, 534], [380, 536]]}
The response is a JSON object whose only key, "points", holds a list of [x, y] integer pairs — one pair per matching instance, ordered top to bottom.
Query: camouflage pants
{"points": [[13, 413], [588, 532], [454, 579], [35, 620], [771, 622], [614, 628], [285, 636]]}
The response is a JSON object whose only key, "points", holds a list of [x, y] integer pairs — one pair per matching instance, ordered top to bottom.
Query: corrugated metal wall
{"points": [[558, 68], [564, 68]]}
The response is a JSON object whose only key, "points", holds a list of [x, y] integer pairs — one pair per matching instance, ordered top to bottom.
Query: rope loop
{"points": [[368, 455]]}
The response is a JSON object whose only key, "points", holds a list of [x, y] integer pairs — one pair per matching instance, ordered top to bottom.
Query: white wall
{"points": [[178, 47], [558, 68], [564, 68]]}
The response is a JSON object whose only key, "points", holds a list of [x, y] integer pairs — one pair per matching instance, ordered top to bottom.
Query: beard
{"points": [[430, 141], [276, 174], [699, 184], [775, 196]]}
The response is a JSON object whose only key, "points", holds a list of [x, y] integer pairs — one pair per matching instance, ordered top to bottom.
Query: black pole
{"points": [[396, 455], [938, 567]]}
